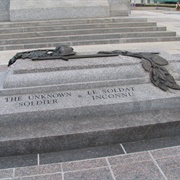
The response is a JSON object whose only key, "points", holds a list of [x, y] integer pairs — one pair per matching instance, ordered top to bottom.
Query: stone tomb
{"points": [[57, 105]]}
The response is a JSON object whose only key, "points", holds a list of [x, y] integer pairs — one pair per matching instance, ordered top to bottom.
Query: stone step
{"points": [[70, 21], [74, 26], [80, 32], [42, 34], [87, 37], [149, 39], [111, 41], [87, 42], [61, 135]]}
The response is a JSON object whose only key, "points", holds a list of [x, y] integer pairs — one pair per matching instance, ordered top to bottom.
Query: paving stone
{"points": [[151, 144], [166, 152], [79, 154], [129, 158], [18, 161], [86, 164], [170, 167], [36, 170], [137, 171], [6, 173], [91, 174], [57, 176]]}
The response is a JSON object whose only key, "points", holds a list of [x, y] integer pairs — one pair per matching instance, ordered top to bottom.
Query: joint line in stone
{"points": [[123, 149], [38, 160], [156, 164], [110, 168], [13, 172], [62, 172]]}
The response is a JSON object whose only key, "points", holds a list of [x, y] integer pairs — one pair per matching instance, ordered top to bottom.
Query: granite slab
{"points": [[52, 9], [4, 10], [57, 105]]}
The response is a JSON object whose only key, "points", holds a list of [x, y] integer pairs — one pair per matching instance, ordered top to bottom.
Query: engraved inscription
{"points": [[112, 93], [85, 96], [13, 99], [38, 99]]}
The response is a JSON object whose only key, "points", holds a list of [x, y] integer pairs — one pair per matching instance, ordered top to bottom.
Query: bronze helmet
{"points": [[64, 50]]}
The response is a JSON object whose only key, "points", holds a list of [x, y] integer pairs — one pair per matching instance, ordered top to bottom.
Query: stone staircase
{"points": [[43, 34]]}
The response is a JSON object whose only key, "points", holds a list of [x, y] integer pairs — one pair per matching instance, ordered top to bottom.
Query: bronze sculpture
{"points": [[151, 62]]}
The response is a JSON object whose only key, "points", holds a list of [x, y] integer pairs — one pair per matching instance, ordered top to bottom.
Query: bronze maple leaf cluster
{"points": [[153, 63]]}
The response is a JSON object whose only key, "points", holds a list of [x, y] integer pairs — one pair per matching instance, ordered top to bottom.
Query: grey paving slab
{"points": [[151, 144], [166, 152], [79, 154], [129, 158], [18, 161], [85, 164], [170, 167], [37, 170], [137, 171], [6, 173], [91, 174], [57, 176]]}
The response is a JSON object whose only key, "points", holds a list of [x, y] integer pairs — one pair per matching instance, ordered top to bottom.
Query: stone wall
{"points": [[4, 10]]}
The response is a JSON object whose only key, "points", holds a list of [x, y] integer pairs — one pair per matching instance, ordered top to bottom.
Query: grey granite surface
{"points": [[52, 9], [4, 10], [57, 105], [151, 144], [77, 154], [16, 161], [153, 164], [143, 165]]}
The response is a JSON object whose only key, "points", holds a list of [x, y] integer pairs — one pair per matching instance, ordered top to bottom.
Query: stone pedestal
{"points": [[119, 7], [4, 10], [28, 10], [31, 10], [59, 105]]}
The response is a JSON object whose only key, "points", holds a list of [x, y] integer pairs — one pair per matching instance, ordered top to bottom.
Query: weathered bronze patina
{"points": [[60, 52], [151, 62]]}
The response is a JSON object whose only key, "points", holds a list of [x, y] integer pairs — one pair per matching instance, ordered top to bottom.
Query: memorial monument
{"points": [[60, 99]]}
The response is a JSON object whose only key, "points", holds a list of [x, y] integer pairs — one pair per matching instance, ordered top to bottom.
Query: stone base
{"points": [[119, 7], [4, 10], [28, 10], [32, 10], [59, 105], [51, 135]]}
